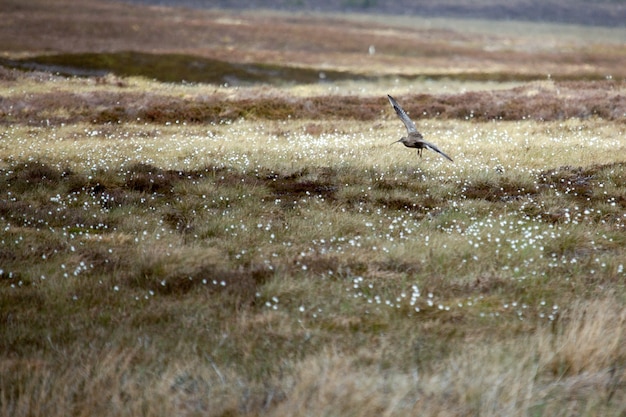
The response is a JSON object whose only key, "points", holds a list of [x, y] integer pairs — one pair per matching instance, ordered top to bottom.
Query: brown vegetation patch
{"points": [[554, 101], [557, 101], [215, 109], [28, 175], [149, 179], [577, 181], [587, 183], [418, 187], [106, 188], [292, 189], [501, 190], [405, 204], [26, 214], [179, 220], [100, 258], [322, 264], [395, 265], [331, 266], [17, 279], [488, 284], [235, 287]]}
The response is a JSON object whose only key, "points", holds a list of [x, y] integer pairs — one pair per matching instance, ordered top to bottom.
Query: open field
{"points": [[599, 12], [404, 47], [202, 249]]}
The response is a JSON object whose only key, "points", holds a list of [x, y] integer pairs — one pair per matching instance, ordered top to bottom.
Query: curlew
{"points": [[413, 139]]}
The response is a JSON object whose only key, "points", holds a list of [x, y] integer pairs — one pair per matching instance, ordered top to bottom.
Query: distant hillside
{"points": [[585, 12]]}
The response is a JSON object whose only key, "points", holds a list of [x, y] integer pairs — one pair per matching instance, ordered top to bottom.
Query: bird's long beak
{"points": [[396, 141]]}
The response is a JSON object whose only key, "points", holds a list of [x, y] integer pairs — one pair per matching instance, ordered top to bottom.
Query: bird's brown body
{"points": [[414, 139]]}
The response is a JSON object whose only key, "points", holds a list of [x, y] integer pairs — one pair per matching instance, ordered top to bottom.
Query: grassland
{"points": [[209, 250]]}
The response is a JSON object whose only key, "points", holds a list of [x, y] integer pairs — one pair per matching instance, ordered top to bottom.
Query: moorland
{"points": [[202, 214]]}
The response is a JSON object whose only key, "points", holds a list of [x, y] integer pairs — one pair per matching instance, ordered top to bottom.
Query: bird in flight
{"points": [[414, 139]]}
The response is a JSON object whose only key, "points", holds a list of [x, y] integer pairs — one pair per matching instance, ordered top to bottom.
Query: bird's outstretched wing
{"points": [[410, 126], [436, 149]]}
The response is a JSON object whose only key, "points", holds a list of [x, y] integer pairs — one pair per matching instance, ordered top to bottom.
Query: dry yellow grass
{"points": [[514, 377]]}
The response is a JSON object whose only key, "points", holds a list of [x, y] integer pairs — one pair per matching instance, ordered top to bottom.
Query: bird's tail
{"points": [[436, 149]]}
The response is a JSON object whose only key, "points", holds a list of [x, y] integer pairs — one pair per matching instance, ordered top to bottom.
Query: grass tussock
{"points": [[590, 340]]}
